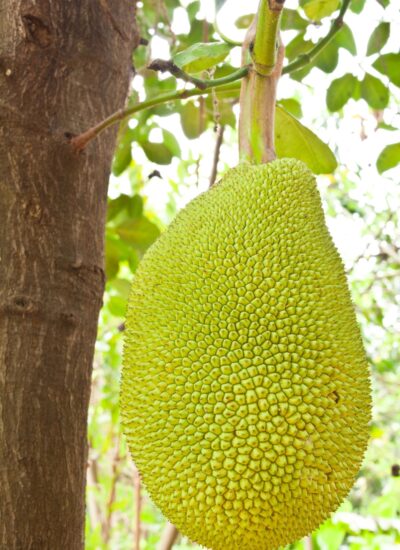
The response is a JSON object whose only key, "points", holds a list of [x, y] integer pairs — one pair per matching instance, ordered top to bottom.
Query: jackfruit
{"points": [[245, 390]]}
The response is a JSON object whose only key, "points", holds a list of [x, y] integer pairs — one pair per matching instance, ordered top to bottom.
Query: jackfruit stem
{"points": [[265, 45], [258, 91]]}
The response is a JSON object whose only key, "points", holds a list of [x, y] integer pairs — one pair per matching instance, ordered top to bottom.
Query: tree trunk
{"points": [[64, 65]]}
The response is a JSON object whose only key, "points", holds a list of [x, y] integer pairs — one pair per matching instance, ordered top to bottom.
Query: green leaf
{"points": [[384, 3], [357, 6], [193, 9], [318, 9], [291, 19], [244, 21], [198, 29], [378, 38], [345, 39], [298, 46], [201, 56], [140, 57], [328, 58], [388, 64], [224, 70], [300, 74], [154, 86], [340, 91], [374, 92], [292, 106], [161, 110], [227, 116], [192, 124], [384, 126], [294, 140], [171, 143], [123, 152], [157, 152], [389, 157], [351, 205], [115, 206], [133, 206], [140, 233], [117, 251], [112, 258], [122, 287], [117, 306], [387, 505], [330, 537]]}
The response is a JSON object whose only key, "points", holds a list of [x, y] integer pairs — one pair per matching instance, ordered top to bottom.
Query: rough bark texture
{"points": [[63, 67]]}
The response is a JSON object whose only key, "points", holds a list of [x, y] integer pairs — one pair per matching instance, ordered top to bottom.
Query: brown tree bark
{"points": [[63, 67]]}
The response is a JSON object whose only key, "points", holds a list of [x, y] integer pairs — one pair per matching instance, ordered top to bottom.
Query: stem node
{"points": [[258, 93]]}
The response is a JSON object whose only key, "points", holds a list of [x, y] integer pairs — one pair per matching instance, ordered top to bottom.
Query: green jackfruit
{"points": [[245, 389]]}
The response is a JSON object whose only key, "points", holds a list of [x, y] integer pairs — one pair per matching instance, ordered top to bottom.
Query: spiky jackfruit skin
{"points": [[245, 389]]}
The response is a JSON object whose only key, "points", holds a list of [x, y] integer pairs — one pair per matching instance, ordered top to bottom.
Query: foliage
{"points": [[156, 168]]}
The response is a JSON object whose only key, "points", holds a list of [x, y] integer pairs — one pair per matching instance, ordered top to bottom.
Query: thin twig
{"points": [[162, 10], [306, 58], [170, 67], [215, 106], [202, 114], [79, 142], [217, 150], [197, 170], [378, 237], [112, 495], [92, 505], [138, 507], [168, 538]]}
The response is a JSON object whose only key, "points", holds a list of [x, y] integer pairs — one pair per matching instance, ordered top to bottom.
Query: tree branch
{"points": [[306, 58], [169, 66], [202, 84], [79, 142], [217, 150], [111, 499], [92, 505], [138, 507], [168, 538], [308, 543]]}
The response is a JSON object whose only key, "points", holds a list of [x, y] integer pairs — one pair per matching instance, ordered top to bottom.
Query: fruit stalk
{"points": [[258, 92]]}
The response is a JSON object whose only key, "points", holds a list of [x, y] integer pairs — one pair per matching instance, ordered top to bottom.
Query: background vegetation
{"points": [[349, 96]]}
